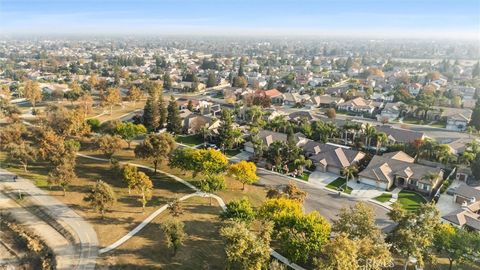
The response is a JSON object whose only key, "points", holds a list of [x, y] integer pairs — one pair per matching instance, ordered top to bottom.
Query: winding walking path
{"points": [[197, 193]]}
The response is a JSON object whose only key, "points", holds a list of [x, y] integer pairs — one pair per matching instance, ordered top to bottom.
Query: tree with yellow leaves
{"points": [[32, 92], [112, 98], [244, 172]]}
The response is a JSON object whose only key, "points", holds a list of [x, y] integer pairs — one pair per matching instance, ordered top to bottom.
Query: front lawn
{"points": [[412, 120], [439, 124], [190, 140], [232, 152], [304, 176], [339, 183], [385, 197], [410, 200]]}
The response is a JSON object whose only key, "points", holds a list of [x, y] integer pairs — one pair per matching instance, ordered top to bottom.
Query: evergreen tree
{"points": [[476, 70], [241, 73], [167, 81], [212, 81], [162, 112], [151, 114], [475, 121], [174, 122], [225, 131]]}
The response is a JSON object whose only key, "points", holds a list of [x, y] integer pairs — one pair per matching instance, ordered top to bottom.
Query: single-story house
{"points": [[325, 101], [358, 104], [391, 111], [400, 135], [267, 137], [331, 157], [398, 168], [469, 215]]}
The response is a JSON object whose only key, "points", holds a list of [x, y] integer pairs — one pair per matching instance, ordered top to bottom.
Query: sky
{"points": [[347, 18]]}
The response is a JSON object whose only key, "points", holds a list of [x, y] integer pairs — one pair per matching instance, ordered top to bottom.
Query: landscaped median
{"points": [[340, 184]]}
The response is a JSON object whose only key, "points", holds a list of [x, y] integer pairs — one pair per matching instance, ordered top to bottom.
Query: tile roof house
{"points": [[275, 96], [291, 99], [325, 101], [358, 104], [391, 111], [457, 118], [194, 122], [400, 135], [267, 137], [330, 157], [398, 168], [469, 215]]}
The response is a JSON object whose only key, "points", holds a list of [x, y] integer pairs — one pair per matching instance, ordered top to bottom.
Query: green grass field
{"points": [[190, 140], [339, 183], [385, 197], [410, 200]]}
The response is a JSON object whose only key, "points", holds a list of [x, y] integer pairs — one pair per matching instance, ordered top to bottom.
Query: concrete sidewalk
{"points": [[64, 215], [63, 249]]}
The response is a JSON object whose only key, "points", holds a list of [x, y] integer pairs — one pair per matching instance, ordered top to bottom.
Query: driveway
{"points": [[321, 179], [328, 204]]}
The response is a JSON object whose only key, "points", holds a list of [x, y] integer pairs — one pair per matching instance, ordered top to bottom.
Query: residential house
{"points": [[414, 88], [275, 96], [291, 99], [324, 101], [359, 105], [391, 111], [299, 115], [456, 118], [193, 123], [400, 135], [267, 137], [331, 157], [399, 169], [468, 216]]}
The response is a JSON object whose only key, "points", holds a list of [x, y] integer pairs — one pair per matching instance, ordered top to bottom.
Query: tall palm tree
{"points": [[205, 132], [369, 132], [382, 139], [473, 146], [301, 162], [349, 172]]}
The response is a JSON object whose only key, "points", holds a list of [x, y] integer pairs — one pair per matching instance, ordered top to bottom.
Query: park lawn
{"points": [[118, 111], [190, 140], [37, 172], [339, 183], [233, 191], [385, 197], [410, 200], [125, 214], [202, 248]]}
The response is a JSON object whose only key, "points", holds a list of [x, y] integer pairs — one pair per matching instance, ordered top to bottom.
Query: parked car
{"points": [[450, 191]]}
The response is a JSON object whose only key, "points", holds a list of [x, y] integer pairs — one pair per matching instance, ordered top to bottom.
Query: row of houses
{"points": [[384, 172]]}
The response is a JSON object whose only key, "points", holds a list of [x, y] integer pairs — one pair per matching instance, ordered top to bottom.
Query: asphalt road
{"points": [[326, 203]]}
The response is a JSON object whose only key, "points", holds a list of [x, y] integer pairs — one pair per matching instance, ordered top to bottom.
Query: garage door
{"points": [[370, 182]]}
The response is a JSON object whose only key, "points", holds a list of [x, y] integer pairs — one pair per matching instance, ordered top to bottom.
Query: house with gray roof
{"points": [[400, 135], [331, 157], [400, 169]]}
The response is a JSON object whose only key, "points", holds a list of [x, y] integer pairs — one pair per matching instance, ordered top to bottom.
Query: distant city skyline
{"points": [[371, 18]]}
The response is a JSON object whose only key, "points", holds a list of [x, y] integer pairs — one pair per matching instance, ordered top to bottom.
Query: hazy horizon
{"points": [[407, 19]]}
